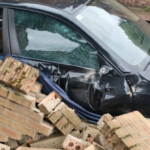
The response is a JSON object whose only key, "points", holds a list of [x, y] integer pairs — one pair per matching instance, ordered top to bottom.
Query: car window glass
{"points": [[125, 36], [46, 38]]}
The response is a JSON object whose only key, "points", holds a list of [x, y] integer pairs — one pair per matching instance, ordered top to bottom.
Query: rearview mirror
{"points": [[104, 70]]}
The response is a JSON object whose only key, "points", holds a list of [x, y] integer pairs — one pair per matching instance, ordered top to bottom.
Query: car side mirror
{"points": [[104, 70]]}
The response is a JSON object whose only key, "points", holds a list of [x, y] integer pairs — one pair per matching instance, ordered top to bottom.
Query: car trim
{"points": [[5, 29], [13, 35]]}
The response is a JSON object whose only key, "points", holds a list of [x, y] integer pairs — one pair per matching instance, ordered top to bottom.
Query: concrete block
{"points": [[53, 141]]}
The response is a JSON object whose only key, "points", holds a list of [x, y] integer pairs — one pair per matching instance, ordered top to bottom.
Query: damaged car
{"points": [[96, 51]]}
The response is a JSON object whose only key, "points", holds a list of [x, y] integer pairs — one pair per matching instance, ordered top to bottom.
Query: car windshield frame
{"points": [[126, 15]]}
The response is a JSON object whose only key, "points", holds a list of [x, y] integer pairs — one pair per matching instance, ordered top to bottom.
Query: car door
{"points": [[65, 56]]}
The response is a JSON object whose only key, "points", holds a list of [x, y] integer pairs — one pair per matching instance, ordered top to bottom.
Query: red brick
{"points": [[4, 68], [11, 71], [21, 74], [30, 80], [36, 87], [3, 91], [40, 97], [24, 100], [50, 102], [8, 104], [1, 109], [32, 113], [69, 114], [15, 116], [55, 116], [105, 118], [132, 118], [142, 118], [5, 120], [122, 121], [61, 123], [113, 124], [82, 125], [41, 127], [110, 127], [67, 128], [144, 128], [24, 130], [139, 130], [10, 132], [121, 133], [89, 134], [134, 134], [3, 138], [148, 141], [129, 142], [73, 143], [105, 143], [97, 146], [120, 146], [144, 146], [4, 147], [91, 147], [137, 148]]}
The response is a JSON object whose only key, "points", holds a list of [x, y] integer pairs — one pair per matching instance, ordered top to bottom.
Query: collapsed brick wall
{"points": [[135, 3], [59, 114], [18, 116], [126, 132]]}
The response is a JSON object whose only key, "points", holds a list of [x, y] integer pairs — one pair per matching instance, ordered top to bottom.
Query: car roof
{"points": [[68, 5]]}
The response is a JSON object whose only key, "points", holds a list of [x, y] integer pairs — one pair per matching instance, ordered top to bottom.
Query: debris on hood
{"points": [[31, 120]]}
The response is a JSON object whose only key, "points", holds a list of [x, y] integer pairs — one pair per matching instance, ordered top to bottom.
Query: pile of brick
{"points": [[58, 113], [18, 114], [30, 120], [126, 132]]}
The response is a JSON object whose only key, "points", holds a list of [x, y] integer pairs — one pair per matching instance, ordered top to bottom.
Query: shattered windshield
{"points": [[123, 32]]}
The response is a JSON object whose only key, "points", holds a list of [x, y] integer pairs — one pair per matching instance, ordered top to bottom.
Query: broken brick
{"points": [[50, 102], [73, 143], [4, 147]]}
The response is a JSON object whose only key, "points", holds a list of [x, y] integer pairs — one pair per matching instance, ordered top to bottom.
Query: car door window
{"points": [[44, 37]]}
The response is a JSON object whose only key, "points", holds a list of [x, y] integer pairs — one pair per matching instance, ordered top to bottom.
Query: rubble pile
{"points": [[30, 120], [128, 131]]}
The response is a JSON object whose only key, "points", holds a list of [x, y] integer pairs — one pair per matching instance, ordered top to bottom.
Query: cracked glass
{"points": [[43, 37]]}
